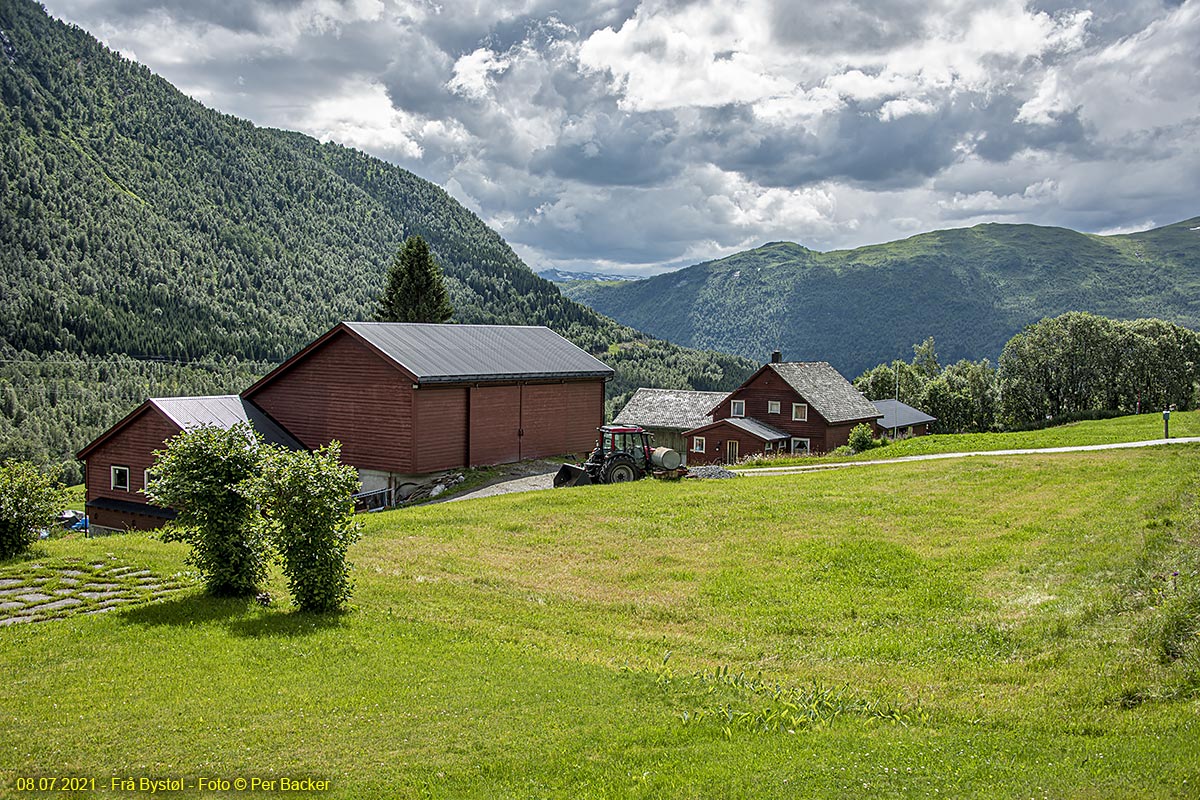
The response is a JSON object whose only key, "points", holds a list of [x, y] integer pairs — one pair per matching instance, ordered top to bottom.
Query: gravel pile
{"points": [[711, 471]]}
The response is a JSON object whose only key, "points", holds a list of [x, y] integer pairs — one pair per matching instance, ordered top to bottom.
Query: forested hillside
{"points": [[133, 220], [971, 289]]}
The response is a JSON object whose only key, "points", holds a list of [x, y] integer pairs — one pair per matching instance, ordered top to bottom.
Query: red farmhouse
{"points": [[795, 407]]}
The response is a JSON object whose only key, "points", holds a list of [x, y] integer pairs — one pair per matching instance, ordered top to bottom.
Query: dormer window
{"points": [[737, 408], [800, 412]]}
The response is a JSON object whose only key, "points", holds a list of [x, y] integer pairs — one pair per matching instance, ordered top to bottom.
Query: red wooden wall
{"points": [[344, 390], [132, 447]]}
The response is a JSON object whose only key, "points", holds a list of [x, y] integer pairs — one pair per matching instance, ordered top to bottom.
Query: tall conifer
{"points": [[415, 290]]}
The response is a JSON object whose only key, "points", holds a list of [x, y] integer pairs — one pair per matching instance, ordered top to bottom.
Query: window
{"points": [[772, 406], [737, 408], [800, 412], [697, 444], [768, 447], [800, 447], [120, 478], [145, 480]]}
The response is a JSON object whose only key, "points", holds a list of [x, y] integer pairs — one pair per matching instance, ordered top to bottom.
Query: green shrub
{"points": [[862, 438], [844, 450], [204, 474], [28, 502], [309, 515]]}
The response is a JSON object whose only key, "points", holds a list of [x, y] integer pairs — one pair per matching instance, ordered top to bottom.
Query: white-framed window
{"points": [[772, 406], [737, 408], [800, 412], [697, 444], [799, 446], [768, 447], [120, 478], [145, 479]]}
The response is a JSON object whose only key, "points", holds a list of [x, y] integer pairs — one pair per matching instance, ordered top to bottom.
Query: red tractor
{"points": [[623, 453]]}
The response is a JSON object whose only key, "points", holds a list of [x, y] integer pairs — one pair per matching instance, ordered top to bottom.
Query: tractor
{"points": [[623, 453]]}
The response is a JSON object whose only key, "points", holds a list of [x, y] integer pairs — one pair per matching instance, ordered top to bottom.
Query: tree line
{"points": [[1060, 368]]}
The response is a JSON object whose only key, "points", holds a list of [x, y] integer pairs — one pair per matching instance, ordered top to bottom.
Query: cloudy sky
{"points": [[639, 135]]}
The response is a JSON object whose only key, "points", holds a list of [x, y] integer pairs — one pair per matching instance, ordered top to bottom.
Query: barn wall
{"points": [[344, 390], [560, 418], [440, 428], [133, 446], [122, 520]]}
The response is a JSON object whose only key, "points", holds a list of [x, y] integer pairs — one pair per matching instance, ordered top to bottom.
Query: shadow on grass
{"points": [[241, 616]]}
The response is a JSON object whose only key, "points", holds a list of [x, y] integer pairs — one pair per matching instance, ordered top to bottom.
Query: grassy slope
{"points": [[1132, 428], [512, 646]]}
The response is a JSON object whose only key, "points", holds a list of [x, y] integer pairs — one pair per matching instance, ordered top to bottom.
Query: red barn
{"points": [[410, 398], [794, 407], [115, 464]]}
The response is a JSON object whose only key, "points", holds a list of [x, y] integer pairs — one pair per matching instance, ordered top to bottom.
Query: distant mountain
{"points": [[133, 220], [562, 276], [971, 289]]}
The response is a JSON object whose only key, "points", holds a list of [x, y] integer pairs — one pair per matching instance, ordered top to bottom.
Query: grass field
{"points": [[1133, 428], [999, 627]]}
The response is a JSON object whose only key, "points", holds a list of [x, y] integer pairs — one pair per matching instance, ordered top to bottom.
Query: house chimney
{"points": [[776, 357]]}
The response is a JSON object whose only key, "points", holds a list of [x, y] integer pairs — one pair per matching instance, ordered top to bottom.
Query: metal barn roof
{"points": [[455, 353], [826, 390], [679, 409], [222, 411], [900, 415]]}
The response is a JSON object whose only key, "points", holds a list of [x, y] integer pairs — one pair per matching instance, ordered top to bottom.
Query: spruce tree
{"points": [[415, 290]]}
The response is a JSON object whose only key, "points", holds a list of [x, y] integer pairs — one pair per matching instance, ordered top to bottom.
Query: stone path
{"points": [[56, 588]]}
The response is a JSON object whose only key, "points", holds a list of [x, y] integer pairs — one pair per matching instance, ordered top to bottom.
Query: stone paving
{"points": [[56, 588]]}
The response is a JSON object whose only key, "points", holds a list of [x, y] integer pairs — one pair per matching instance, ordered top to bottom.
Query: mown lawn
{"points": [[1133, 428], [993, 628]]}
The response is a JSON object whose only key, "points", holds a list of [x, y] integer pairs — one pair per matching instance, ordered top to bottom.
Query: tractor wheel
{"points": [[620, 468]]}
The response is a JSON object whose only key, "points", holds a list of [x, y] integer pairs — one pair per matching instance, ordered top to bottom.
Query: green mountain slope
{"points": [[133, 220], [971, 289]]}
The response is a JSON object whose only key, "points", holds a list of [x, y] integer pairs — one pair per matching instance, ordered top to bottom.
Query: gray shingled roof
{"points": [[451, 353], [834, 397], [676, 409], [222, 411], [900, 415], [762, 430]]}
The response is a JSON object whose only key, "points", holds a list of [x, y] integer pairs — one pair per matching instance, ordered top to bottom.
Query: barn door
{"points": [[495, 425]]}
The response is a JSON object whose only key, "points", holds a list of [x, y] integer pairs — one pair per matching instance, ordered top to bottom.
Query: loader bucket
{"points": [[571, 475]]}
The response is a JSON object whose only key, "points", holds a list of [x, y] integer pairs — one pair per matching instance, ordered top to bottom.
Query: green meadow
{"points": [[1132, 428], [1004, 626]]}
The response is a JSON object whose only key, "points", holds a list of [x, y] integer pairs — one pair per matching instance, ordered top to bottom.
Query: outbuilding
{"points": [[412, 398], [669, 413], [901, 420], [118, 462]]}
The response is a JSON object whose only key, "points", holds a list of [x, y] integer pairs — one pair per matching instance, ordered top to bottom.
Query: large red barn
{"points": [[412, 398]]}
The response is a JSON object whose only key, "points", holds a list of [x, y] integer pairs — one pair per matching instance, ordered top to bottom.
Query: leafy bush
{"points": [[862, 438], [844, 450], [204, 474], [28, 501], [309, 515]]}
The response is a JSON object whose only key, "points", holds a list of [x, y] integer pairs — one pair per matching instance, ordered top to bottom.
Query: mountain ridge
{"points": [[971, 288]]}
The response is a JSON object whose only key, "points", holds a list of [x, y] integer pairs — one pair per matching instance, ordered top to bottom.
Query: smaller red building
{"points": [[791, 407], [117, 464]]}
